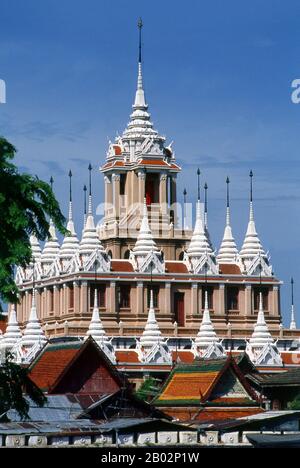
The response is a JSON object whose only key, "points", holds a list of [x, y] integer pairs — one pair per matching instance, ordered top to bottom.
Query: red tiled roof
{"points": [[153, 162], [122, 265], [176, 267], [229, 269], [3, 324], [127, 356], [183, 356], [291, 358], [51, 363], [209, 414]]}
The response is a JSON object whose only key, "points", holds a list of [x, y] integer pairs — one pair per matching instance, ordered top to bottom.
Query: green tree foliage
{"points": [[26, 203], [14, 384], [149, 389], [295, 403]]}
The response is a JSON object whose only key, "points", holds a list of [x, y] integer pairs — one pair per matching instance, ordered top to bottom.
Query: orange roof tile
{"points": [[122, 265], [176, 267], [229, 269], [3, 324], [127, 356], [51, 363]]}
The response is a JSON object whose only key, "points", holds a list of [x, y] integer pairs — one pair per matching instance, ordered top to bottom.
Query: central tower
{"points": [[139, 165]]}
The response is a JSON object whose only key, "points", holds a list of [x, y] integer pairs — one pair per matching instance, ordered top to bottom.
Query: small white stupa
{"points": [[13, 333], [33, 333], [206, 344], [152, 347], [261, 347]]}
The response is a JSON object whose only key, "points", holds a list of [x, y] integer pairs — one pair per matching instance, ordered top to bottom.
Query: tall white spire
{"points": [[140, 124], [90, 240], [145, 242], [70, 243], [200, 243], [252, 245], [51, 247], [35, 248], [228, 250], [293, 325], [96, 329], [13, 333], [33, 333], [151, 334], [261, 334]]}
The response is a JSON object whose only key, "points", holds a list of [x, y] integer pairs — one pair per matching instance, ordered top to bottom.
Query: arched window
{"points": [[127, 254], [71, 297]]}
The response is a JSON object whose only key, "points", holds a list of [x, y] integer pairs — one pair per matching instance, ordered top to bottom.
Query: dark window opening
{"points": [[122, 184], [127, 254], [101, 290], [71, 297], [232, 298], [265, 298], [51, 300], [124, 300]]}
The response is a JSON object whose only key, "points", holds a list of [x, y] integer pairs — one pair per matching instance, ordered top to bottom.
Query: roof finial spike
{"points": [[140, 25], [51, 183], [198, 183], [90, 190], [70, 196], [251, 196], [84, 203], [227, 204], [205, 206], [145, 211], [95, 299], [206, 300], [293, 325]]}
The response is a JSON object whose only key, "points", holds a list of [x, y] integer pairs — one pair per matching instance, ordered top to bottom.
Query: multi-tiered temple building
{"points": [[143, 250]]}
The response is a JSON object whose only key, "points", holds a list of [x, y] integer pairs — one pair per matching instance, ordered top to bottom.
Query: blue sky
{"points": [[218, 81]]}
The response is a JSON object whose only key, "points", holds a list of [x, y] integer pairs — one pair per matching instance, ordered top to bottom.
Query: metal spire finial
{"points": [[140, 25], [198, 182], [227, 182], [51, 183], [70, 185], [251, 185], [90, 189], [84, 203], [205, 206], [292, 290]]}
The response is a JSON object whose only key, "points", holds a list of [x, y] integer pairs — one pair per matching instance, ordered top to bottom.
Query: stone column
{"points": [[142, 178], [116, 192], [163, 193], [108, 195], [174, 197], [76, 297], [84, 297], [139, 298], [65, 299], [112, 299], [168, 299], [194, 299], [61, 300], [248, 300], [56, 301], [200, 305], [26, 309], [45, 309], [274, 309], [221, 310]]}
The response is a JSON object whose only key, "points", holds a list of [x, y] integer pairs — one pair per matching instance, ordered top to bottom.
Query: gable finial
{"points": [[51, 183], [90, 189], [205, 205]]}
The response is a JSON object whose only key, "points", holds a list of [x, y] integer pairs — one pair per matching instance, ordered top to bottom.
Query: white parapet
{"points": [[148, 438], [167, 438], [188, 438], [209, 438], [230, 438], [103, 439], [125, 439], [82, 440], [15, 441], [37, 441], [60, 441]]}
